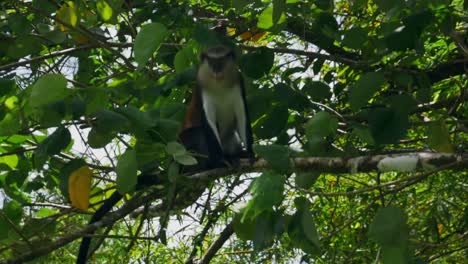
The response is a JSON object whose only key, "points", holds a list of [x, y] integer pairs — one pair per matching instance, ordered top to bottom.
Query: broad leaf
{"points": [[104, 9], [266, 19], [148, 41], [258, 63], [365, 88], [48, 89], [321, 125], [439, 137], [52, 145], [276, 155], [126, 172], [79, 185], [267, 192], [389, 227]]}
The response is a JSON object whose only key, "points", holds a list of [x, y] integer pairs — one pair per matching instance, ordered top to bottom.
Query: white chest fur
{"points": [[225, 113]]}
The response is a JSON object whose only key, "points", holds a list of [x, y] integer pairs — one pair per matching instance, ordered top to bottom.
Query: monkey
{"points": [[218, 116], [216, 125]]}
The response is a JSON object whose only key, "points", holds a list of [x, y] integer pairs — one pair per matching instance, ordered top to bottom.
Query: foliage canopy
{"points": [[94, 92]]}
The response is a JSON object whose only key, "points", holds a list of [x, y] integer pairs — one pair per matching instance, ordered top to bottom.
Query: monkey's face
{"points": [[218, 63]]}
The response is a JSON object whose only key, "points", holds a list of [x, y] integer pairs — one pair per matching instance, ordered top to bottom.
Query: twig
{"points": [[223, 237]]}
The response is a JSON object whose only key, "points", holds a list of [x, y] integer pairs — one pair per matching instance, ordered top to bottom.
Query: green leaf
{"points": [[324, 4], [386, 5], [104, 9], [278, 10], [67, 13], [265, 19], [19, 24], [326, 28], [56, 36], [355, 38], [401, 39], [148, 41], [25, 45], [182, 60], [258, 63], [7, 86], [48, 89], [364, 89], [317, 90], [108, 121], [139, 121], [10, 124], [273, 124], [322, 124], [387, 125], [166, 128], [363, 133], [439, 137], [98, 138], [52, 145], [175, 148], [149, 152], [277, 156], [185, 159], [10, 160], [126, 170], [173, 172], [306, 180], [267, 192], [14, 211], [308, 225], [389, 227], [244, 229], [264, 230], [302, 231], [390, 231], [393, 255]]}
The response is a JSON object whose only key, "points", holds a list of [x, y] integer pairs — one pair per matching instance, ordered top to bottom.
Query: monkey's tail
{"points": [[103, 210]]}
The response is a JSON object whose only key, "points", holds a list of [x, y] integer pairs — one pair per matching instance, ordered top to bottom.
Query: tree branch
{"points": [[402, 162], [407, 162], [110, 219], [223, 237]]}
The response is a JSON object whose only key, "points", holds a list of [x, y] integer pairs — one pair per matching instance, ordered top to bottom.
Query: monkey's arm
{"points": [[247, 126]]}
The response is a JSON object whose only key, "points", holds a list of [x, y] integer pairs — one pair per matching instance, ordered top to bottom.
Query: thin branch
{"points": [[47, 56], [110, 219], [223, 237]]}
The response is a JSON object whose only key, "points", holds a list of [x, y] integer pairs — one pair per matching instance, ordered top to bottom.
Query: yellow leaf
{"points": [[67, 14], [231, 31], [246, 35], [258, 36], [80, 38], [439, 137], [79, 185], [439, 228]]}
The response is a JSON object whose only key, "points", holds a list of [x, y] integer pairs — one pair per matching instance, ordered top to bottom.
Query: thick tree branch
{"points": [[405, 162], [408, 162]]}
